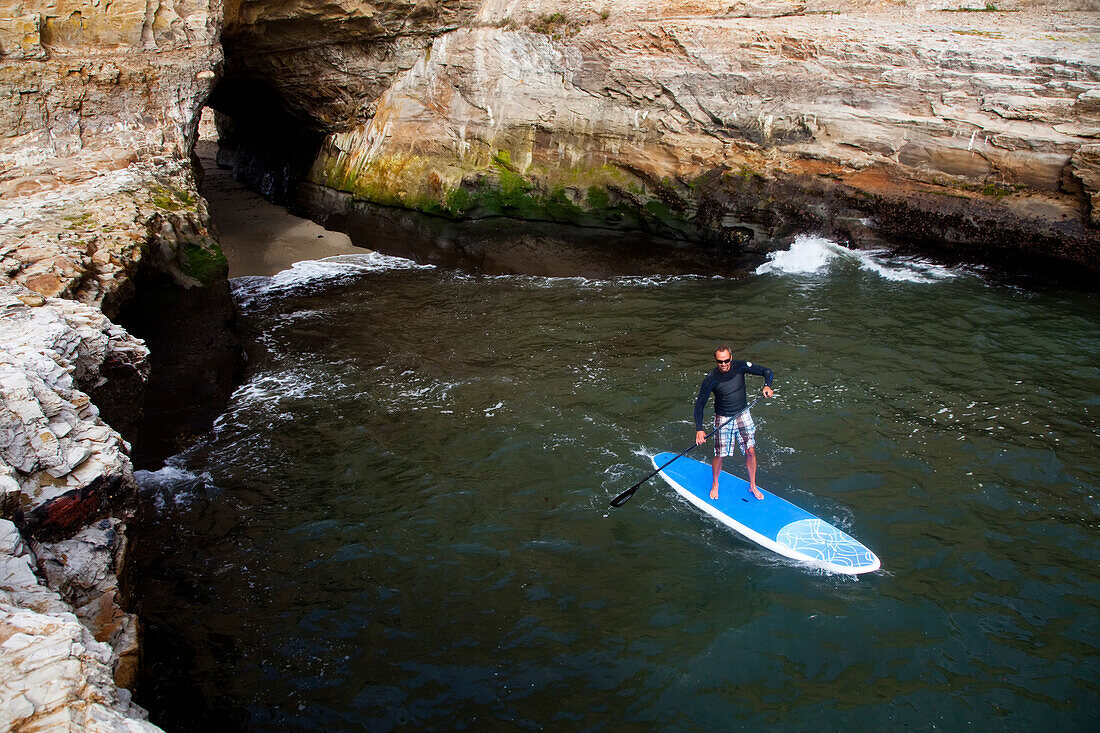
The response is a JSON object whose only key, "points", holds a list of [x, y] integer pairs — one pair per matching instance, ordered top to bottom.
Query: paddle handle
{"points": [[625, 496]]}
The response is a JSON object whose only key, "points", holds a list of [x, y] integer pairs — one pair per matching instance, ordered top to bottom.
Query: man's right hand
{"points": [[700, 437]]}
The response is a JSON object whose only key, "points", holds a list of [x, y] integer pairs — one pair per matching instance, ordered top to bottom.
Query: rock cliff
{"points": [[98, 108], [969, 133], [66, 479], [57, 675]]}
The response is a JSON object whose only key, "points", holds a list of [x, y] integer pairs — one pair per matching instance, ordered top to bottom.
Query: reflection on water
{"points": [[402, 517]]}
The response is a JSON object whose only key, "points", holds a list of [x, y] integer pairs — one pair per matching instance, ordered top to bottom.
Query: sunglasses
{"points": [[723, 361]]}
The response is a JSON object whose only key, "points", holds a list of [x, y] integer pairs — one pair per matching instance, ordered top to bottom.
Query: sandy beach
{"points": [[258, 237]]}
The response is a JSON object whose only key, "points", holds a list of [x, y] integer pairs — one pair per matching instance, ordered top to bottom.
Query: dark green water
{"points": [[402, 519]]}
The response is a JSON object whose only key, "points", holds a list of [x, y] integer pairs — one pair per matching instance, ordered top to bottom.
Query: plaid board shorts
{"points": [[741, 428]]}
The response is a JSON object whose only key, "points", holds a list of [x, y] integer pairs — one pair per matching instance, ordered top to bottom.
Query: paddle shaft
{"points": [[625, 496]]}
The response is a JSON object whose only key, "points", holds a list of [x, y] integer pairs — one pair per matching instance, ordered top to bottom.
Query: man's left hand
{"points": [[768, 392]]}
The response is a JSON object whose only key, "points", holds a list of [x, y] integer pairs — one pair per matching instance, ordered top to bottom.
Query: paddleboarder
{"points": [[727, 382]]}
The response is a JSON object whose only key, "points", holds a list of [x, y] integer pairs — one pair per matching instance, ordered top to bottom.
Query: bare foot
{"points": [[756, 492], [714, 493]]}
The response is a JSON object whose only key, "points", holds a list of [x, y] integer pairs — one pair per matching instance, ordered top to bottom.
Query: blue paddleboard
{"points": [[772, 522]]}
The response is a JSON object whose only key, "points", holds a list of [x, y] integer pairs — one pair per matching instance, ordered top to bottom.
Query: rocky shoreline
{"points": [[726, 126], [97, 195], [68, 651]]}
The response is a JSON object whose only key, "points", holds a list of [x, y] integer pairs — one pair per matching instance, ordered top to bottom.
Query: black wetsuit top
{"points": [[728, 389]]}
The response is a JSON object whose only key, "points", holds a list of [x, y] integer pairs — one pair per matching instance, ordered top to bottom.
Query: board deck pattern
{"points": [[772, 521]]}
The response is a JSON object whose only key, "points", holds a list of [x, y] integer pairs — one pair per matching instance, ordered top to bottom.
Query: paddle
{"points": [[625, 496]]}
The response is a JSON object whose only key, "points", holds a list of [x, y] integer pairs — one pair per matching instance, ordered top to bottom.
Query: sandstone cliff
{"points": [[98, 108], [970, 133]]}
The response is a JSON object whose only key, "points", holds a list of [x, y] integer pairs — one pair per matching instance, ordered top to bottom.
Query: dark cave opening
{"points": [[268, 147]]}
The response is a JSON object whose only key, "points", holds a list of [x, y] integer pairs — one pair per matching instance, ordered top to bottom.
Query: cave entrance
{"points": [[253, 143], [268, 147], [248, 200], [190, 331]]}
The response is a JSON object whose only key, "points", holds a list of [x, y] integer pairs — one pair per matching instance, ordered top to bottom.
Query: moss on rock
{"points": [[484, 185], [171, 198], [203, 262]]}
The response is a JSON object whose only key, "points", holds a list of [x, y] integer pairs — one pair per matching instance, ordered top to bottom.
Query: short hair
{"points": [[724, 348]]}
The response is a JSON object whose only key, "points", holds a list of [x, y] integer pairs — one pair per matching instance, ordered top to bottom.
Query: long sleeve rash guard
{"points": [[728, 389]]}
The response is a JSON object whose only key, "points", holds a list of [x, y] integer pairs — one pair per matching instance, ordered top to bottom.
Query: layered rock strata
{"points": [[327, 62], [296, 70], [98, 108], [974, 132], [53, 351], [67, 481], [57, 675]]}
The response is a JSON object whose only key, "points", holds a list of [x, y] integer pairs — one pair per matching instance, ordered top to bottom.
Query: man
{"points": [[727, 382]]}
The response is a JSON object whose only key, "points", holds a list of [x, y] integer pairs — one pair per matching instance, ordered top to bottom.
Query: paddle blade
{"points": [[625, 496]]}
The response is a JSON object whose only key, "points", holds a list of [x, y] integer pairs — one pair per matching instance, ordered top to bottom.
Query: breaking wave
{"points": [[810, 255], [310, 272], [170, 486]]}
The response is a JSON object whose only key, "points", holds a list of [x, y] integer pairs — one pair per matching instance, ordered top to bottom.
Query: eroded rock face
{"points": [[326, 61], [329, 62], [296, 70], [78, 75], [98, 108], [98, 111], [734, 124], [970, 130], [1084, 167], [87, 239], [68, 461], [66, 473], [84, 570], [56, 675]]}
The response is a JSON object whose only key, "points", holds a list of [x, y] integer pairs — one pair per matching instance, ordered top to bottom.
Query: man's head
{"points": [[724, 357]]}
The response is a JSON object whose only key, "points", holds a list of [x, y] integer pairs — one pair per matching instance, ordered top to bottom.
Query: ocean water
{"points": [[402, 518]]}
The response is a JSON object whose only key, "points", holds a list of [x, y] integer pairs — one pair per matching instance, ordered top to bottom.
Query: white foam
{"points": [[807, 254], [811, 254], [902, 269], [312, 270], [309, 272], [581, 282], [274, 389], [410, 392], [165, 476], [169, 485]]}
